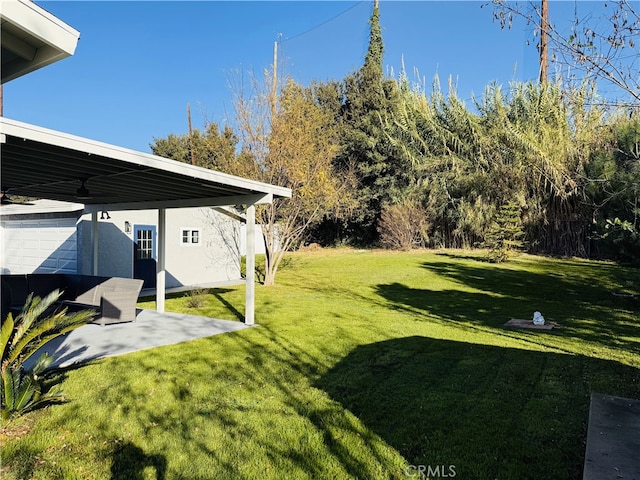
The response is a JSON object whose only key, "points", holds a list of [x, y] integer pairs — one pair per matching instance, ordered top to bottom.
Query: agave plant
{"points": [[39, 322]]}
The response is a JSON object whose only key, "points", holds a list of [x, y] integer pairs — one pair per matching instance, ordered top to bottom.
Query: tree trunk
{"points": [[271, 257], [271, 264], [269, 272]]}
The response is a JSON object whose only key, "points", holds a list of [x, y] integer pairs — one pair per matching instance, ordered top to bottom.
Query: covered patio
{"points": [[43, 163]]}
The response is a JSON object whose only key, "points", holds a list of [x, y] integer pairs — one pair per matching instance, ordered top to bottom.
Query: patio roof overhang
{"points": [[32, 38], [42, 163]]}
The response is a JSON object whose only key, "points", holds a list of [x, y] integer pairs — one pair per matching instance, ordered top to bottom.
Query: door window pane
{"points": [[145, 244]]}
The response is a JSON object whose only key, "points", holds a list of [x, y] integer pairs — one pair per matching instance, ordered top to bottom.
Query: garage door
{"points": [[42, 246]]}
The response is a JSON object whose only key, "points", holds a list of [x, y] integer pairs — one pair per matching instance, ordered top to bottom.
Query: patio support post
{"points": [[94, 243], [160, 266], [250, 295]]}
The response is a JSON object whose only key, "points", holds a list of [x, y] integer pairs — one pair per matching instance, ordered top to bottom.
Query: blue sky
{"points": [[138, 64]]}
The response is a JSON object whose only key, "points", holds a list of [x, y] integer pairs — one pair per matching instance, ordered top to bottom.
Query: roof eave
{"points": [[37, 37], [65, 140], [240, 190]]}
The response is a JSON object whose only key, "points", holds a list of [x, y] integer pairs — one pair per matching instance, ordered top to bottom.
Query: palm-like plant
{"points": [[528, 146], [39, 322]]}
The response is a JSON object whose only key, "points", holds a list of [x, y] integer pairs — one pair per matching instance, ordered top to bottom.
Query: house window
{"points": [[190, 236], [145, 244]]}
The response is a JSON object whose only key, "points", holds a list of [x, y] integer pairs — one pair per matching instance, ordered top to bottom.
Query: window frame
{"points": [[188, 234]]}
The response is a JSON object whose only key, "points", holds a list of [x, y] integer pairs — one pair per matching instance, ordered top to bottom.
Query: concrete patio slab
{"points": [[151, 329], [613, 439]]}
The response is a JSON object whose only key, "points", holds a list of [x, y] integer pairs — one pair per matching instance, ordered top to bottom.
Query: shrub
{"points": [[403, 227], [505, 233], [622, 239], [195, 298], [39, 322]]}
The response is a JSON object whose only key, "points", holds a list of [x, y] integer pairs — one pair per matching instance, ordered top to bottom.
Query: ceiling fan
{"points": [[82, 192]]}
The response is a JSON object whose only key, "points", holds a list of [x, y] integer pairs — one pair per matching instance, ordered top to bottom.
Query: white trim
{"points": [[42, 24], [47, 37], [190, 243]]}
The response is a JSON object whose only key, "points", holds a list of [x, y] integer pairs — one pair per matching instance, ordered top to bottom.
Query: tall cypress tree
{"points": [[370, 76], [366, 151]]}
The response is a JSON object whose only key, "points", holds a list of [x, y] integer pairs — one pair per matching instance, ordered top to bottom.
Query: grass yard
{"points": [[366, 364]]}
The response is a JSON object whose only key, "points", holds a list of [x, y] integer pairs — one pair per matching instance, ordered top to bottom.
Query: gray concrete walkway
{"points": [[151, 329], [613, 439]]}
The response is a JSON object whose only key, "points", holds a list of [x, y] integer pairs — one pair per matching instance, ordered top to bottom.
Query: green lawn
{"points": [[364, 364]]}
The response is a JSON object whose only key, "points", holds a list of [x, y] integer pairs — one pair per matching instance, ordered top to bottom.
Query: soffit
{"points": [[43, 163]]}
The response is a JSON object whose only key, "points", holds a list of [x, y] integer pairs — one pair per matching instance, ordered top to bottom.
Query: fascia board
{"points": [[42, 25]]}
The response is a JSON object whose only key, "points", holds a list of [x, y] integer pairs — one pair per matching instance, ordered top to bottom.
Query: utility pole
{"points": [[544, 42], [274, 87], [193, 154]]}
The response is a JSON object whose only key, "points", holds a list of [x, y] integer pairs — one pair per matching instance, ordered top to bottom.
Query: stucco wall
{"points": [[216, 258]]}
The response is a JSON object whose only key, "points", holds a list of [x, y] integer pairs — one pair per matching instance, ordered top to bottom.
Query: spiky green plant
{"points": [[39, 322]]}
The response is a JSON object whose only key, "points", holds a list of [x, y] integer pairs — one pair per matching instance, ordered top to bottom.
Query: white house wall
{"points": [[258, 240], [115, 249], [215, 259]]}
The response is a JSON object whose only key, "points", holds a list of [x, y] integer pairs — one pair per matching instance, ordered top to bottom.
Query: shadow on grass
{"points": [[541, 277], [186, 293], [216, 293], [583, 304], [228, 305], [238, 401], [489, 412], [131, 463]]}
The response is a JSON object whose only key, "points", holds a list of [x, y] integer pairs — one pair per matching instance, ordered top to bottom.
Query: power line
{"points": [[321, 24]]}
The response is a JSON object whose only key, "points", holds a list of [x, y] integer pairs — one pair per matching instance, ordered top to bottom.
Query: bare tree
{"points": [[602, 47], [289, 141]]}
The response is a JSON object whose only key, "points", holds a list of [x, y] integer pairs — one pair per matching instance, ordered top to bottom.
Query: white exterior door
{"points": [[42, 246]]}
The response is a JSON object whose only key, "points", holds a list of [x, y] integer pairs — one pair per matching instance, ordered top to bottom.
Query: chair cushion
{"points": [[42, 284], [15, 290]]}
